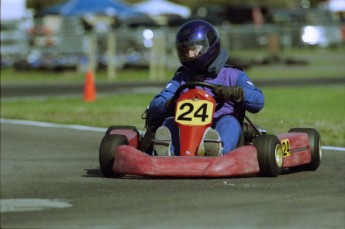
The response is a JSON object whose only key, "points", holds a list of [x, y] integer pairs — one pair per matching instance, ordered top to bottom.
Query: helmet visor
{"points": [[191, 50]]}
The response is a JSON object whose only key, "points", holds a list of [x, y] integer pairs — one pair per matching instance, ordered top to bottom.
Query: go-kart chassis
{"points": [[128, 160]]}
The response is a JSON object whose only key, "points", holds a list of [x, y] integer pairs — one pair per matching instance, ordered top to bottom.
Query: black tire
{"points": [[120, 127], [315, 148], [107, 153], [270, 155]]}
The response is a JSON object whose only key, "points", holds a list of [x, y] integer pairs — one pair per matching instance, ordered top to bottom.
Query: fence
{"points": [[154, 46]]}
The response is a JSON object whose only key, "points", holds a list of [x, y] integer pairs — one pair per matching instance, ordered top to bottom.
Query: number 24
{"points": [[200, 112]]}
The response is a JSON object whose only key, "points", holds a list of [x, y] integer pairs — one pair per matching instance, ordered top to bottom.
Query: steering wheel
{"points": [[192, 85]]}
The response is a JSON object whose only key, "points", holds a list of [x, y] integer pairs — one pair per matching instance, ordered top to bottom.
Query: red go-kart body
{"points": [[265, 155]]}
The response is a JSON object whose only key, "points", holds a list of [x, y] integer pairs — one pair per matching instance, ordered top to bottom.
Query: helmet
{"points": [[197, 45]]}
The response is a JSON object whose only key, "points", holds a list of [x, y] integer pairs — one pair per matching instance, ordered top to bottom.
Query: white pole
{"points": [[92, 52], [111, 68]]}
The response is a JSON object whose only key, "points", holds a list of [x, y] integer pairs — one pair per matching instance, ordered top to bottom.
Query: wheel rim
{"points": [[320, 150], [279, 155]]}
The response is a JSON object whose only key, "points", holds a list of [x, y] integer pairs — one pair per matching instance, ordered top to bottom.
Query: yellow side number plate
{"points": [[190, 112], [286, 147]]}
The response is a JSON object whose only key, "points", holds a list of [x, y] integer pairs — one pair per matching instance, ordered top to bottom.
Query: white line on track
{"points": [[53, 125], [98, 129], [333, 148], [23, 205]]}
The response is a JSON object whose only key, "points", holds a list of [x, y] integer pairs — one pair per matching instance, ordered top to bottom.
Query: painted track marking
{"points": [[52, 125], [23, 205]]}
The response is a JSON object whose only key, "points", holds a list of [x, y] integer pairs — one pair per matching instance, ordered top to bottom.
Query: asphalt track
{"points": [[50, 178]]}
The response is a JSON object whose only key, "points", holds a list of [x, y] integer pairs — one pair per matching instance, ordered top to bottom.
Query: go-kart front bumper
{"points": [[130, 161]]}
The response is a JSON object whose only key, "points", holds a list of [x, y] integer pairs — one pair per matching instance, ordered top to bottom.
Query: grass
{"points": [[10, 76], [316, 107], [109, 110]]}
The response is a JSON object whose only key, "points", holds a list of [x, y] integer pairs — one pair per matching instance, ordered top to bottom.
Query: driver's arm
{"points": [[253, 98], [157, 109]]}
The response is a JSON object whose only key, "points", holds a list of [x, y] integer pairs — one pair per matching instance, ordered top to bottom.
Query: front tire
{"points": [[314, 145], [107, 152], [270, 155]]}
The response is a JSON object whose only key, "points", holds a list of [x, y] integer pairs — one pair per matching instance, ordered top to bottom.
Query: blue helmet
{"points": [[200, 37]]}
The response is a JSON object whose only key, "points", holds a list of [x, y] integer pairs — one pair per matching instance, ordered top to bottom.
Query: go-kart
{"points": [[258, 153]]}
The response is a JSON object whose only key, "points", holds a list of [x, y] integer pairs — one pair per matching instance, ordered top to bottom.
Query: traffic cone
{"points": [[89, 87]]}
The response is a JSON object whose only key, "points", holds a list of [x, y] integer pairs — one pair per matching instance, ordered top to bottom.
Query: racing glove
{"points": [[228, 93]]}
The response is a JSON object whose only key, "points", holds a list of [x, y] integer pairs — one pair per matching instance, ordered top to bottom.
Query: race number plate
{"points": [[194, 112]]}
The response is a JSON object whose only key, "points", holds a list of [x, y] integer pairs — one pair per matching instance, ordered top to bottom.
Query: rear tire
{"points": [[315, 147], [107, 153], [270, 155]]}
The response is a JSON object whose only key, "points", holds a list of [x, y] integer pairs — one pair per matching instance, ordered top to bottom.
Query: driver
{"points": [[202, 59]]}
